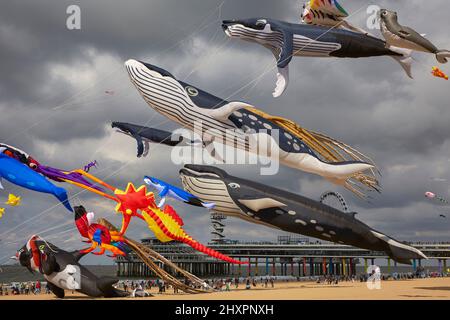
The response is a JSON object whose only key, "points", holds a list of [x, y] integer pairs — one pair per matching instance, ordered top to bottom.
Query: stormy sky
{"points": [[53, 105]]}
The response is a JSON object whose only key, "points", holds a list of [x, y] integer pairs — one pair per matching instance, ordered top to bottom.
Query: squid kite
{"points": [[241, 126], [17, 169], [21, 169], [165, 223]]}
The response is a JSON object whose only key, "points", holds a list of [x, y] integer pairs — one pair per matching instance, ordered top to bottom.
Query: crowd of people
{"points": [[143, 287], [23, 288]]}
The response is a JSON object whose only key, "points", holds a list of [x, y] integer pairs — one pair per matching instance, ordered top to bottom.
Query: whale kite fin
{"points": [[405, 60], [282, 81], [224, 112], [146, 148], [211, 149], [261, 203], [209, 205], [78, 254], [57, 291]]}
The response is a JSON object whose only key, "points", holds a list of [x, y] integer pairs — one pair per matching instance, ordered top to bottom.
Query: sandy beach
{"points": [[418, 289]]}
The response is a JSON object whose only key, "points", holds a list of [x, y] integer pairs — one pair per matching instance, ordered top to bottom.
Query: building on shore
{"points": [[289, 256]]}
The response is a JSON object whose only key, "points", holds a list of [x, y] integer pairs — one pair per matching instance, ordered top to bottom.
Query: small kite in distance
{"points": [[438, 73], [90, 165], [433, 196], [13, 200], [2, 212]]}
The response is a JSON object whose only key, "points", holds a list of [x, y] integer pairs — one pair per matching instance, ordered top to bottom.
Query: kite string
{"points": [[107, 76], [237, 91], [79, 93], [127, 163]]}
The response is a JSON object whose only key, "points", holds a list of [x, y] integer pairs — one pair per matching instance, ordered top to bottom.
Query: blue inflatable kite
{"points": [[19, 174], [167, 190]]}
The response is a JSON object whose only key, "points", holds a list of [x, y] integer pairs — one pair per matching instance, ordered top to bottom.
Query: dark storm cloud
{"points": [[53, 105]]}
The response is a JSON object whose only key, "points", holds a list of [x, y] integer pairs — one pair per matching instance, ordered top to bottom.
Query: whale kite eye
{"points": [[261, 22], [192, 91], [33, 165], [234, 185]]}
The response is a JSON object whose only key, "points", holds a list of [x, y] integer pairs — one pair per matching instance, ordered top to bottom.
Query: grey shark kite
{"points": [[405, 37], [287, 40], [242, 126], [262, 204]]}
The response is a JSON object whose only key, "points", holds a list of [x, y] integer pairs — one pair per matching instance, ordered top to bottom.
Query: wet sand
{"points": [[428, 289]]}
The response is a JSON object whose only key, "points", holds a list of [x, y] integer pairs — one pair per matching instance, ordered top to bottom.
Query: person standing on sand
{"points": [[38, 287]]}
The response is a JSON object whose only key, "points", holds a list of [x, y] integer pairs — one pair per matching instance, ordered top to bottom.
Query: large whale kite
{"points": [[287, 40], [238, 124], [263, 204]]}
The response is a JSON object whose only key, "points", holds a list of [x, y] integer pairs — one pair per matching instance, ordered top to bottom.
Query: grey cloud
{"points": [[368, 103]]}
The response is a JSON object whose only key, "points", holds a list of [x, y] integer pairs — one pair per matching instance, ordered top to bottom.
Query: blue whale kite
{"points": [[17, 173], [168, 190]]}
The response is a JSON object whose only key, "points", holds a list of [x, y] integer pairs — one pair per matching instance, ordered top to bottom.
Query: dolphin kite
{"points": [[400, 36], [287, 40], [242, 126], [17, 173], [168, 190], [263, 204]]}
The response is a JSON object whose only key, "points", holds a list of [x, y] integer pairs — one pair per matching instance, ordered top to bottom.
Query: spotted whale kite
{"points": [[287, 40], [239, 125], [275, 208]]}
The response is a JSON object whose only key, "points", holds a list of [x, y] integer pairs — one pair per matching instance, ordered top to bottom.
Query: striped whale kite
{"points": [[326, 35], [237, 124], [265, 205]]}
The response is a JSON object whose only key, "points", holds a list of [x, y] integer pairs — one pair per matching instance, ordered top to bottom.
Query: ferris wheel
{"points": [[334, 200]]}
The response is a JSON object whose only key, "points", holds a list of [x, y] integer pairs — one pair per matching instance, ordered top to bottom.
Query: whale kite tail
{"points": [[442, 56], [405, 59], [333, 152], [61, 195], [398, 251]]}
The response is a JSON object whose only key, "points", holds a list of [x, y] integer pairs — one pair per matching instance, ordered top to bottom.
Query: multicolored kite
{"points": [[438, 73], [132, 202], [98, 235]]}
